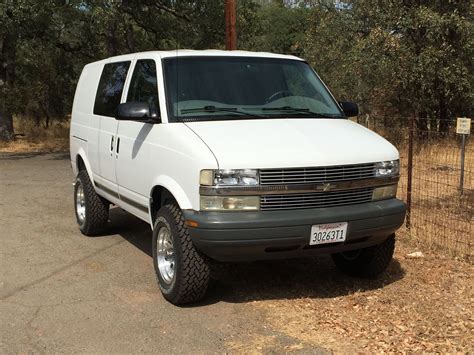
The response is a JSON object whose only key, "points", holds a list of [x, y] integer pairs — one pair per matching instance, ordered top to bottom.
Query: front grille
{"points": [[316, 174], [315, 199]]}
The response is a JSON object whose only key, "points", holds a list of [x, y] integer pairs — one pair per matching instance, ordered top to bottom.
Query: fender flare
{"points": [[81, 153], [174, 188]]}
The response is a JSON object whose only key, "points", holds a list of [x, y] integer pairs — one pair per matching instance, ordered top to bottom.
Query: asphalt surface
{"points": [[63, 292]]}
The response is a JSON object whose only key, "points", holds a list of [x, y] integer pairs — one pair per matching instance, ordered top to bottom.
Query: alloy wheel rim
{"points": [[80, 204], [165, 255]]}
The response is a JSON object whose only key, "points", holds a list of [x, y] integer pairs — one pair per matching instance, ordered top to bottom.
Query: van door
{"points": [[109, 95], [133, 138]]}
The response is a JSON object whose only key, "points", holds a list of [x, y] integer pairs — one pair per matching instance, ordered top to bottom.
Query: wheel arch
{"points": [[81, 163], [166, 189]]}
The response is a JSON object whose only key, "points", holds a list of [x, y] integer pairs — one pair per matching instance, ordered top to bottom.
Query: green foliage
{"points": [[280, 29], [44, 45], [392, 57], [397, 57]]}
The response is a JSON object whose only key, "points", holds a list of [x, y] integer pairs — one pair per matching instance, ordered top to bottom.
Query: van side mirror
{"points": [[350, 108], [136, 111]]}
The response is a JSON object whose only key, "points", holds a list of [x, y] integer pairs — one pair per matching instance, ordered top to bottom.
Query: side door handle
{"points": [[112, 144], [117, 149]]}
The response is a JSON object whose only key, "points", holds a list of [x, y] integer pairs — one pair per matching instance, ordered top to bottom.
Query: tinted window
{"points": [[143, 86], [110, 88], [212, 88]]}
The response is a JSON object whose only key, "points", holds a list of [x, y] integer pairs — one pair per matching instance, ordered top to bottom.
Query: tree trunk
{"points": [[7, 77], [48, 117], [443, 117], [37, 118], [422, 125], [6, 126]]}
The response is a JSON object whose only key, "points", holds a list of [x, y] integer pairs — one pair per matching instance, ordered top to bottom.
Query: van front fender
{"points": [[81, 153], [175, 189]]}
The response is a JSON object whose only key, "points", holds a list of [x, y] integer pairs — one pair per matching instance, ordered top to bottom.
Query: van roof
{"points": [[196, 53]]}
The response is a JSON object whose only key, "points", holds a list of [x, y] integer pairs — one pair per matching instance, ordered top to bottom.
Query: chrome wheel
{"points": [[80, 203], [165, 255]]}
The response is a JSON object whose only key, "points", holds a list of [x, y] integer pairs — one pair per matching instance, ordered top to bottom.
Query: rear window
{"points": [[110, 88]]}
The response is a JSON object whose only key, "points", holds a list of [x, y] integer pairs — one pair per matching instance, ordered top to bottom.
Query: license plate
{"points": [[328, 233]]}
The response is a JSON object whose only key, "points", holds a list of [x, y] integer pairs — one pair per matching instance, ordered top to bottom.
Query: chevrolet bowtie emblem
{"points": [[326, 187]]}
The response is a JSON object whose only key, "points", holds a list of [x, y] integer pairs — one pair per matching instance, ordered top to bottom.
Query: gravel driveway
{"points": [[63, 292]]}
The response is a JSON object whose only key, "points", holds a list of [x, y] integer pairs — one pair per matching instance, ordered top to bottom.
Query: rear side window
{"points": [[143, 86], [110, 88]]}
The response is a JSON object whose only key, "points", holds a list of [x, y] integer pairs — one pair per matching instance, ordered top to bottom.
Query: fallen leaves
{"points": [[428, 309]]}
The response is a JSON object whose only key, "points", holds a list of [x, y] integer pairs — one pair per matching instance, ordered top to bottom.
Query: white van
{"points": [[231, 156]]}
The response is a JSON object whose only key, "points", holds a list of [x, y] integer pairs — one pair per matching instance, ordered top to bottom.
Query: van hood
{"points": [[285, 143]]}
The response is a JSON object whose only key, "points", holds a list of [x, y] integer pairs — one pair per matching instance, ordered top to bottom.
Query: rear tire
{"points": [[92, 211], [368, 262], [182, 272]]}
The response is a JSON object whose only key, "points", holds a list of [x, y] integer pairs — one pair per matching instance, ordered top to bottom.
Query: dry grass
{"points": [[37, 138], [441, 218], [419, 305]]}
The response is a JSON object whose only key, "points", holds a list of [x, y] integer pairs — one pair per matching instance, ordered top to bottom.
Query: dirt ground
{"points": [[34, 138], [63, 292]]}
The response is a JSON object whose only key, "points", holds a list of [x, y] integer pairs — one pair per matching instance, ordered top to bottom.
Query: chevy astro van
{"points": [[231, 156]]}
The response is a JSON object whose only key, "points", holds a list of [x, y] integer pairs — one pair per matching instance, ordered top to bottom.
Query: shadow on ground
{"points": [[290, 279], [265, 280]]}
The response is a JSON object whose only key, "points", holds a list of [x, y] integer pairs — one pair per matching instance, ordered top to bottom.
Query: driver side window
{"points": [[143, 86]]}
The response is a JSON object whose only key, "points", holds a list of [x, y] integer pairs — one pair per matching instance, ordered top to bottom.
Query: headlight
{"points": [[387, 168], [238, 177], [384, 192], [230, 203]]}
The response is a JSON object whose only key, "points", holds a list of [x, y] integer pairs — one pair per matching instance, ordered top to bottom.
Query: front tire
{"points": [[92, 211], [368, 262], [182, 272]]}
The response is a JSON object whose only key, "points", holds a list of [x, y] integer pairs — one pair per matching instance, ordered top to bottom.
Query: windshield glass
{"points": [[215, 88]]}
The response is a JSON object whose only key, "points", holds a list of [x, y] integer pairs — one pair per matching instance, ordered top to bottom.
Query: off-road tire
{"points": [[97, 208], [370, 262], [192, 271]]}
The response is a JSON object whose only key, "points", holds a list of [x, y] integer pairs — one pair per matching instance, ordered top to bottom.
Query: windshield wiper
{"points": [[212, 109], [296, 109]]}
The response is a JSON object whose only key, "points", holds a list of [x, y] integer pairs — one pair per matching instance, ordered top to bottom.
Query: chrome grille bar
{"points": [[316, 174], [308, 187], [315, 199]]}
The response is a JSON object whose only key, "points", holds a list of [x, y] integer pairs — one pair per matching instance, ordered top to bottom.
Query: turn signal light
{"points": [[190, 223]]}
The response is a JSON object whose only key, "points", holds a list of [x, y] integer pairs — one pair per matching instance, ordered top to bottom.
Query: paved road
{"points": [[63, 292]]}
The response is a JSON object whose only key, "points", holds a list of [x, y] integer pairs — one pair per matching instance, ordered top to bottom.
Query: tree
{"points": [[18, 19], [279, 26], [44, 45], [436, 55], [396, 56], [393, 57], [33, 69]]}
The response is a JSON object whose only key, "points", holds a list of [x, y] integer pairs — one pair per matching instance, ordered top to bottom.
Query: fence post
{"points": [[463, 127], [463, 151], [410, 170]]}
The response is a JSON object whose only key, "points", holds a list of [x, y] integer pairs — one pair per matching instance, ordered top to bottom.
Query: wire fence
{"points": [[440, 214]]}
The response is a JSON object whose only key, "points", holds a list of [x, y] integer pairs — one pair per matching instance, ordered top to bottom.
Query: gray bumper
{"points": [[246, 236]]}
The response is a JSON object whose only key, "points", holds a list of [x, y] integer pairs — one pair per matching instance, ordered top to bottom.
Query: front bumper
{"points": [[248, 236]]}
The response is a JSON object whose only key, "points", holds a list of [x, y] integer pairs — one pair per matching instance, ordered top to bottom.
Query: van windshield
{"points": [[218, 88]]}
